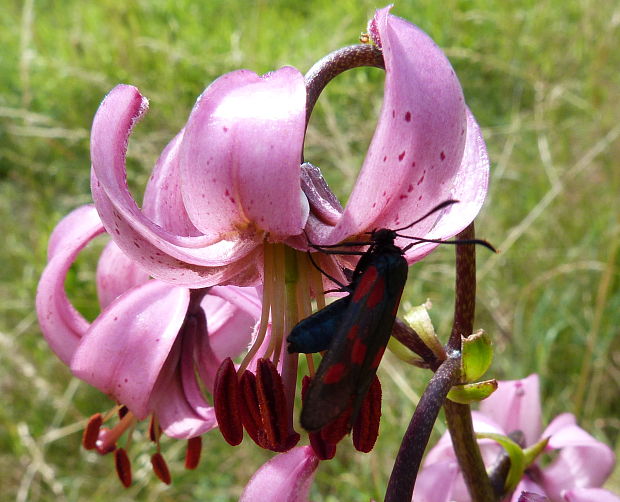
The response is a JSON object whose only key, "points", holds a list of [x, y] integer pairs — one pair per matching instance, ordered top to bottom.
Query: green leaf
{"points": [[477, 355], [472, 392], [516, 455]]}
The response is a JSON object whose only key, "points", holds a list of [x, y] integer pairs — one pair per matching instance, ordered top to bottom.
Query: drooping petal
{"points": [[417, 148], [240, 154], [469, 187], [163, 201], [127, 225], [236, 254], [116, 273], [61, 324], [230, 328], [123, 352], [178, 401], [515, 405], [583, 462], [284, 478], [435, 483], [589, 495]]}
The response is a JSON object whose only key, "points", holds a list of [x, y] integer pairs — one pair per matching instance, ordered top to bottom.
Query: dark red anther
{"points": [[226, 395], [271, 402], [263, 408], [122, 411], [250, 411], [366, 426], [338, 428], [154, 430], [91, 432], [322, 449], [192, 454], [123, 466], [160, 468]]}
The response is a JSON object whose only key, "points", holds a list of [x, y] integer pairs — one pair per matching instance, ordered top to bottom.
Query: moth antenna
{"points": [[438, 207], [456, 242]]}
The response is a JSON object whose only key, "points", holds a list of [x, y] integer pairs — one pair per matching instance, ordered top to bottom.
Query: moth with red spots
{"points": [[356, 328], [349, 366]]}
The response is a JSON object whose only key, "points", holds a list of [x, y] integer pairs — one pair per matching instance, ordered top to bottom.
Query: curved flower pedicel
{"points": [[146, 345], [578, 471]]}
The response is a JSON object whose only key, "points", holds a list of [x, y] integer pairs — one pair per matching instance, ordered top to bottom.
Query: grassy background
{"points": [[542, 79]]}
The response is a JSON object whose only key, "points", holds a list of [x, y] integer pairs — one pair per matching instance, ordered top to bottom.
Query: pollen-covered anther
{"points": [[226, 397], [249, 408], [273, 409], [366, 426], [338, 428], [91, 431], [155, 431], [322, 449], [192, 454], [123, 466], [160, 468]]}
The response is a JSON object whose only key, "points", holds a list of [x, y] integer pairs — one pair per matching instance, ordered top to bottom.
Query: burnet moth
{"points": [[355, 329]]}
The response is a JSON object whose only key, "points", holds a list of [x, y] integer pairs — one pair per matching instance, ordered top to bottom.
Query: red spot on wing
{"points": [[366, 284], [377, 293], [352, 334], [358, 352], [378, 357], [335, 373]]}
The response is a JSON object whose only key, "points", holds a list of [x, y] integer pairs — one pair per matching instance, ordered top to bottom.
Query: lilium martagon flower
{"points": [[249, 208], [153, 347], [580, 464]]}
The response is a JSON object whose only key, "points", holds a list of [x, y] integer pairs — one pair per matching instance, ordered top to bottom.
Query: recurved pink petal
{"points": [[417, 149], [240, 154], [468, 187], [163, 201], [127, 225], [235, 260], [116, 273], [61, 324], [230, 327], [123, 352], [178, 401], [515, 405], [582, 462], [285, 478], [589, 495]]}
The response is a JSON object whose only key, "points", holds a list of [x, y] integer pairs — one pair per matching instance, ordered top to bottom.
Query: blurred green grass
{"points": [[542, 79]]}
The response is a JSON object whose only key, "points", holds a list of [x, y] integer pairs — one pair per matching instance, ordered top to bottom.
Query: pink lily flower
{"points": [[234, 175], [234, 182], [150, 337], [578, 471], [285, 478]]}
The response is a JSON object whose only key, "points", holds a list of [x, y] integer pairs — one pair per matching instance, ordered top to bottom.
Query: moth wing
{"points": [[348, 368]]}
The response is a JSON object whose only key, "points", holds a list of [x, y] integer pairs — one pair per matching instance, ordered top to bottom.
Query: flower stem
{"points": [[333, 65], [458, 416], [407, 464]]}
